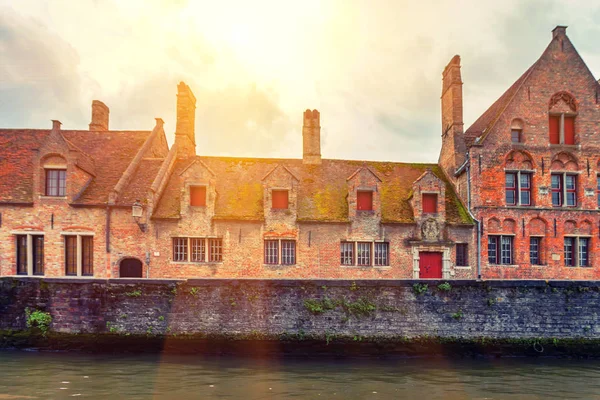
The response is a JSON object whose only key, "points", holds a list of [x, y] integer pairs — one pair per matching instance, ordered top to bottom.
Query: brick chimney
{"points": [[559, 31], [99, 116], [311, 135], [185, 136], [453, 142]]}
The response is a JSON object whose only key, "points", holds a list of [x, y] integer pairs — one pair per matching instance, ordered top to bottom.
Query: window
{"points": [[562, 129], [515, 135], [56, 182], [564, 186], [518, 188], [598, 190], [198, 196], [279, 199], [364, 200], [429, 203], [279, 249], [197, 250], [500, 250], [534, 250], [577, 251], [347, 253], [363, 253], [30, 254], [382, 254], [79, 255], [462, 256]]}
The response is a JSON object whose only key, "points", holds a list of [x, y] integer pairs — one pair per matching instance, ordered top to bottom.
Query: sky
{"points": [[372, 68]]}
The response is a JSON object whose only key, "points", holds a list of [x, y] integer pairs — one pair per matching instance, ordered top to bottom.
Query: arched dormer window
{"points": [[562, 111], [516, 131], [55, 176]]}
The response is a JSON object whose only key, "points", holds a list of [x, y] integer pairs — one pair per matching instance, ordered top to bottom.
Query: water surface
{"points": [[66, 375]]}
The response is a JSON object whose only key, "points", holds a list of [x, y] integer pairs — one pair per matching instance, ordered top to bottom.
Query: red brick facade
{"points": [[510, 165], [318, 218]]}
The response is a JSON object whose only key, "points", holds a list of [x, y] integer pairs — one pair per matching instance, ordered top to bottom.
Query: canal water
{"points": [[25, 375]]}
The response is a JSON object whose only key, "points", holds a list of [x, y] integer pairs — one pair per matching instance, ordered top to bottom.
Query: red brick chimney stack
{"points": [[559, 31], [99, 116], [56, 125], [185, 134], [311, 136]]}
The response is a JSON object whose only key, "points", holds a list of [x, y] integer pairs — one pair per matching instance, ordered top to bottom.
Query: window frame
{"points": [[518, 132], [562, 132], [57, 184], [518, 189], [598, 189], [562, 190], [577, 244], [346, 247], [197, 250], [499, 250], [282, 252], [30, 254], [78, 254], [381, 254], [462, 255], [537, 259], [362, 260]]}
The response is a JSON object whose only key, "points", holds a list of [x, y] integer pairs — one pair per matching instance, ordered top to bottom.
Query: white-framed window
{"points": [[56, 182], [518, 188], [564, 189], [197, 249], [500, 249], [577, 251], [280, 252], [30, 254], [79, 254], [365, 254]]}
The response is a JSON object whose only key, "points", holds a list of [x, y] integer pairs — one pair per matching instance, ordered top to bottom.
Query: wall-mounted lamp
{"points": [[137, 211]]}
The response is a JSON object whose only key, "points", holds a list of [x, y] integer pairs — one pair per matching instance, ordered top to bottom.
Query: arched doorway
{"points": [[130, 268]]}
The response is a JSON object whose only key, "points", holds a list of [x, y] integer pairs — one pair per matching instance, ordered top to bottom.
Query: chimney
{"points": [[560, 30], [99, 116], [56, 125], [311, 135], [185, 136], [453, 142]]}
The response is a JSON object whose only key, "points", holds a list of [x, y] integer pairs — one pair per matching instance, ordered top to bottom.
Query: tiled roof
{"points": [[105, 155], [141, 181], [322, 189]]}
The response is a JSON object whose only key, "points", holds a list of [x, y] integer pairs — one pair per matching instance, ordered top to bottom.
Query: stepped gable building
{"points": [[529, 168], [66, 197], [305, 218]]}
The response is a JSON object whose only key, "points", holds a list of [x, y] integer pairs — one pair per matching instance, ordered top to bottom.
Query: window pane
{"points": [[515, 135], [510, 180], [525, 180], [555, 181], [570, 181], [62, 182], [556, 190], [511, 196], [571, 199], [569, 247], [180, 249], [492, 249], [506, 249], [197, 250], [216, 250], [363, 251], [534, 251], [271, 252], [288, 252], [583, 252], [347, 253], [21, 254], [382, 254], [38, 255], [71, 255], [87, 255], [461, 255]]}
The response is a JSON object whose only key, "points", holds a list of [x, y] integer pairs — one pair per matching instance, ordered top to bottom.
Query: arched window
{"points": [[562, 112]]}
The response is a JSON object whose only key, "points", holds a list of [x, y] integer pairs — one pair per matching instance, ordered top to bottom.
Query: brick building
{"points": [[529, 168], [121, 203]]}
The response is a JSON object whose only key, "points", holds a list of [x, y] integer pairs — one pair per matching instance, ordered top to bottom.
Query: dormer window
{"points": [[516, 131], [56, 182], [198, 196], [279, 199], [364, 200], [429, 203]]}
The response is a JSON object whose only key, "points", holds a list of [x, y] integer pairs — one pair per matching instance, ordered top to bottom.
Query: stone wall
{"points": [[329, 310]]}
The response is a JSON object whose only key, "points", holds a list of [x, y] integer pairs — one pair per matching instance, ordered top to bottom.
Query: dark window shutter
{"points": [[554, 129], [569, 130], [197, 195], [280, 199], [364, 200], [429, 203]]}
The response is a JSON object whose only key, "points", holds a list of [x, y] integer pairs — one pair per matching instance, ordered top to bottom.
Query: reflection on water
{"points": [[61, 375]]}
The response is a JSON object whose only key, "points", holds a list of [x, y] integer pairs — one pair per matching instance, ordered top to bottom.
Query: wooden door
{"points": [[430, 265], [131, 268]]}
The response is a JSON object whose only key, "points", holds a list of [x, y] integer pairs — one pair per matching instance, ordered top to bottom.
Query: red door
{"points": [[430, 265]]}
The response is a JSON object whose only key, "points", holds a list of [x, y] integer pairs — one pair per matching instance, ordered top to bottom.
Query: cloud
{"points": [[38, 75]]}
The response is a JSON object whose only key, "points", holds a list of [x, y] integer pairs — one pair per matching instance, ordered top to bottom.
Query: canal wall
{"points": [[536, 314]]}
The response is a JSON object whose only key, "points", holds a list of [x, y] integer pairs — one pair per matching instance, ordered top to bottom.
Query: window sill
{"points": [[562, 145], [44, 197], [365, 212], [196, 263], [279, 265], [503, 265], [539, 265], [367, 266], [462, 266], [578, 266]]}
